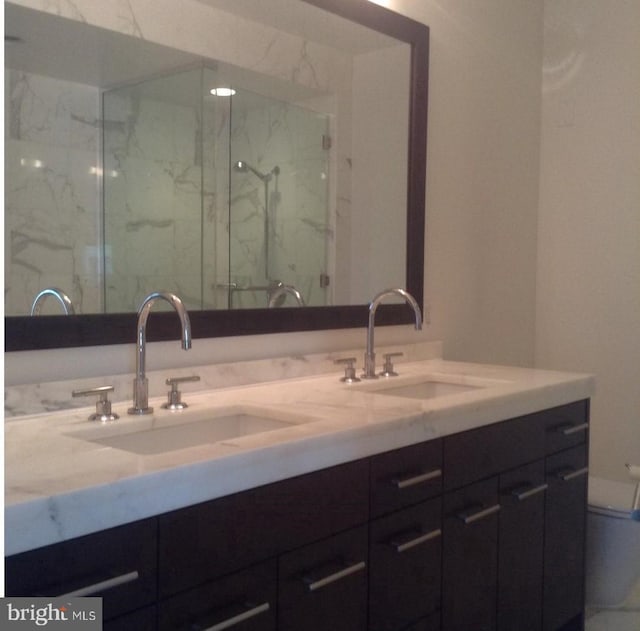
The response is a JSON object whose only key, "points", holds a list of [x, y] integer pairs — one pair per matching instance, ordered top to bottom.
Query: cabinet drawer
{"points": [[565, 426], [489, 450], [406, 476], [225, 535], [405, 556], [118, 564], [323, 586], [245, 600]]}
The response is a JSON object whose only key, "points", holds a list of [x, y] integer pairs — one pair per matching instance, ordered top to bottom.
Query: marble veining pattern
{"points": [[51, 192], [67, 253], [54, 396], [60, 483]]}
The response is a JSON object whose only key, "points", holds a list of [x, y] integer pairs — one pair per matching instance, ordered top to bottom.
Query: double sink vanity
{"points": [[451, 496]]}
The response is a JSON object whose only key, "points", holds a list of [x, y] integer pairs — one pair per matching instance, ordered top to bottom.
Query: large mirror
{"points": [[264, 161]]}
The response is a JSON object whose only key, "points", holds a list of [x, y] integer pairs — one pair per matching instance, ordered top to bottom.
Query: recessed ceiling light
{"points": [[222, 91]]}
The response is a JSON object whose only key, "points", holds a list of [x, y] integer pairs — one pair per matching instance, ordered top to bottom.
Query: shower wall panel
{"points": [[51, 192], [153, 204]]}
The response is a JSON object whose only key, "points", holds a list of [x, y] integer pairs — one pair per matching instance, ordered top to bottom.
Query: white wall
{"points": [[482, 175], [482, 195], [588, 308]]}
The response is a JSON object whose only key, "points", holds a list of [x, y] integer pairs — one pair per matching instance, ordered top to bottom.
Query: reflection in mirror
{"points": [[126, 174], [176, 215]]}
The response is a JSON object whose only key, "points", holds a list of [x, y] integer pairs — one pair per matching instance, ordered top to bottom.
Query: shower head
{"points": [[240, 166]]}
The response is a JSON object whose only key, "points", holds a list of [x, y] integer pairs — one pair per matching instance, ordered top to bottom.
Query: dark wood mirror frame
{"points": [[44, 332]]}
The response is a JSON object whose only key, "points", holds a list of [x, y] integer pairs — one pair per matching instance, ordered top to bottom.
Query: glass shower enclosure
{"points": [[221, 198]]}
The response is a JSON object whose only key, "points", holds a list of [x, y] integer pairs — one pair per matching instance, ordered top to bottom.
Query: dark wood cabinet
{"points": [[406, 476], [478, 531], [565, 533], [227, 534], [521, 547], [405, 557], [470, 557], [119, 565], [323, 586], [245, 600], [142, 620]]}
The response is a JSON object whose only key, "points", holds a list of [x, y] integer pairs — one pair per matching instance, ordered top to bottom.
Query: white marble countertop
{"points": [[60, 483]]}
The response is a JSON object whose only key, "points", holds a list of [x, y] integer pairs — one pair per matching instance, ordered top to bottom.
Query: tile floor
{"points": [[624, 618], [614, 620]]}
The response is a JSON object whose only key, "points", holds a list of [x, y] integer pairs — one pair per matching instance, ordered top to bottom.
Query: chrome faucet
{"points": [[282, 291], [61, 296], [370, 356], [141, 383]]}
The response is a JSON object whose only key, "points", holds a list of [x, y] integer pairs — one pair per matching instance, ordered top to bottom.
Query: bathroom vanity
{"points": [[452, 497]]}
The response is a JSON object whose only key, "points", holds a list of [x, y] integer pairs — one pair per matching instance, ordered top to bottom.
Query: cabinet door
{"points": [[565, 530], [520, 555], [470, 557], [118, 564], [404, 566], [323, 586], [245, 601]]}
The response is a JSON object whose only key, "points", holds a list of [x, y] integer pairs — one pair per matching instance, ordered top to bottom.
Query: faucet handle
{"points": [[349, 369], [387, 369], [174, 401], [103, 411]]}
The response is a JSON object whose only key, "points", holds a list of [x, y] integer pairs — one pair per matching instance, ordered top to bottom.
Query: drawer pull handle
{"points": [[573, 429], [570, 475], [403, 483], [524, 493], [469, 518], [406, 545], [103, 585], [313, 585], [241, 617]]}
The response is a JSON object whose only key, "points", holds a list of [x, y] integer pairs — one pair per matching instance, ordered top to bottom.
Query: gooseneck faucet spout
{"points": [[282, 291], [61, 296], [370, 356], [141, 383]]}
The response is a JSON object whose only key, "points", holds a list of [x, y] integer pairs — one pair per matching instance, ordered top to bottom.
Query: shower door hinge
{"points": [[326, 142], [325, 280]]}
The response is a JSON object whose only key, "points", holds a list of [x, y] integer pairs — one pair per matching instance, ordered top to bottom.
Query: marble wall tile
{"points": [[155, 158], [51, 190], [50, 396]]}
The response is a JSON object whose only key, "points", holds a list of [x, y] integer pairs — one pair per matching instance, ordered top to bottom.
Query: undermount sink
{"points": [[427, 387], [171, 431]]}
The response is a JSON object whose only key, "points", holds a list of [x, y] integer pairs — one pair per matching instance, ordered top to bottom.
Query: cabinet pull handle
{"points": [[573, 429], [570, 475], [403, 483], [529, 491], [469, 518], [406, 545], [102, 585], [313, 585], [241, 617]]}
